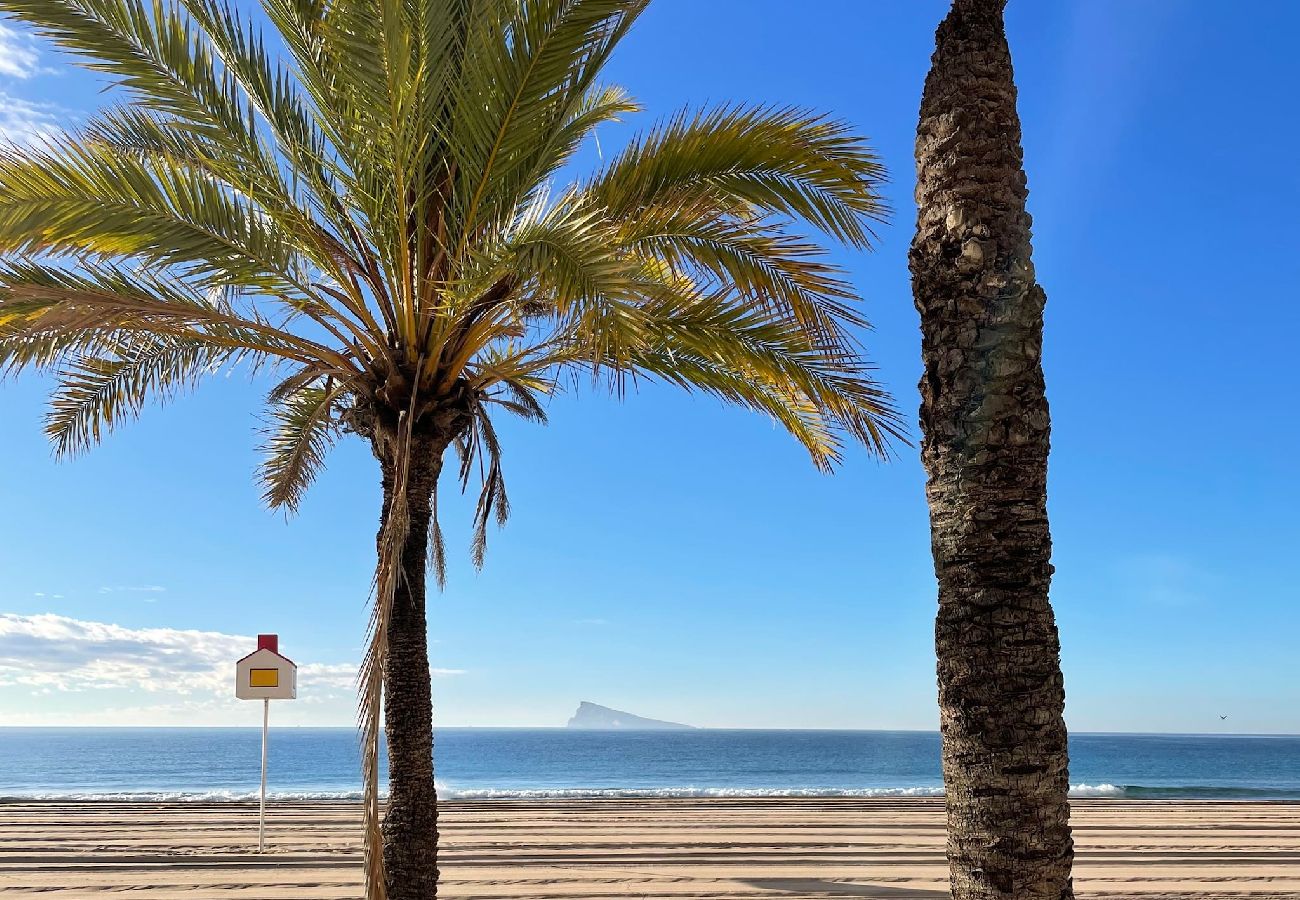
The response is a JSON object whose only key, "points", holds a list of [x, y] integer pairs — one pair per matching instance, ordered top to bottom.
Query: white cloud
{"points": [[18, 55], [24, 122], [151, 592], [49, 652], [68, 654], [339, 676]]}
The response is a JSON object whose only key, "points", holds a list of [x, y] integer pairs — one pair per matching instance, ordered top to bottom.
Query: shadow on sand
{"points": [[817, 888]]}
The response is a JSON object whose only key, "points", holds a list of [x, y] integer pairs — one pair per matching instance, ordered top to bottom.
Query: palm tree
{"points": [[374, 221], [985, 423]]}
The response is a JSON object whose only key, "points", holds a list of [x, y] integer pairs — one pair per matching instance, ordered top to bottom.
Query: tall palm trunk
{"points": [[985, 421], [411, 818]]}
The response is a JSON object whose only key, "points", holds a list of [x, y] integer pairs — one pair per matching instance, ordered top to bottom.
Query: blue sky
{"points": [[685, 561]]}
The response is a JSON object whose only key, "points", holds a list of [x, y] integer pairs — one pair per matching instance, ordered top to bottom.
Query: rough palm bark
{"points": [[985, 425], [410, 827]]}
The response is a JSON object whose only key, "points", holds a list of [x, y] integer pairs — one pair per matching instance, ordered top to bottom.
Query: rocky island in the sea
{"points": [[595, 717]]}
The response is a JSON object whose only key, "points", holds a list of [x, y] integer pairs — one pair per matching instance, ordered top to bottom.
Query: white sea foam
{"points": [[1077, 790], [452, 793], [653, 793], [182, 796]]}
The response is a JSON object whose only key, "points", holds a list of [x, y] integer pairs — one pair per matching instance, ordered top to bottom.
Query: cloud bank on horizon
{"points": [[146, 676]]}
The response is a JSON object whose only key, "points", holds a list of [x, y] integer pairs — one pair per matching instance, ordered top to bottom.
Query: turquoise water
{"points": [[213, 763]]}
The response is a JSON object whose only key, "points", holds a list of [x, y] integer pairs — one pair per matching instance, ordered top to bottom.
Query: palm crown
{"points": [[369, 206]]}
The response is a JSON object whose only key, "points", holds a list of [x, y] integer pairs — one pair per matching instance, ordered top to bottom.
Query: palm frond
{"points": [[158, 54], [267, 85], [516, 96], [153, 143], [787, 162], [85, 199], [564, 263], [772, 268], [42, 303], [746, 355], [822, 391], [94, 393], [519, 396], [301, 431], [483, 447]]}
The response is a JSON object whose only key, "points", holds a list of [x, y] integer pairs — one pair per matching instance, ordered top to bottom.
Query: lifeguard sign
{"points": [[265, 675]]}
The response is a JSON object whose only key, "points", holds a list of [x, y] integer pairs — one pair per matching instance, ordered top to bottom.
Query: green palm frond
{"points": [[161, 57], [268, 86], [514, 98], [601, 104], [788, 162], [89, 200], [778, 270], [755, 357], [819, 394]]}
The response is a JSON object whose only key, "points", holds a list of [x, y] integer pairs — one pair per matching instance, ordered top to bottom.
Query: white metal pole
{"points": [[261, 812]]}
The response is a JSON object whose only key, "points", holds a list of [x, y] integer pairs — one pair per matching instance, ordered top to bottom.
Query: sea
{"points": [[203, 764]]}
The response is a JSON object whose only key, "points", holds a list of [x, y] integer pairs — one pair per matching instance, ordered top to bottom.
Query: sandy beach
{"points": [[682, 848]]}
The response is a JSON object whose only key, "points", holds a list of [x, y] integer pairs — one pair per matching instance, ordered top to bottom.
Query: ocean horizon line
{"points": [[696, 728]]}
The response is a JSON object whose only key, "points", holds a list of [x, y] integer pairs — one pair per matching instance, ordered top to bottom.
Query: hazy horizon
{"points": [[437, 727]]}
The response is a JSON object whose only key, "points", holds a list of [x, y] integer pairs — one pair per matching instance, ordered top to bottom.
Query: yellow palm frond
{"points": [[89, 200]]}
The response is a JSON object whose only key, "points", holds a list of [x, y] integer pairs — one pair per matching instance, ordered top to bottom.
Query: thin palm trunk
{"points": [[985, 420], [411, 817]]}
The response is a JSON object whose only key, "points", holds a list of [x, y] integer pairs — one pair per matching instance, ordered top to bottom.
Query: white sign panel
{"points": [[266, 675]]}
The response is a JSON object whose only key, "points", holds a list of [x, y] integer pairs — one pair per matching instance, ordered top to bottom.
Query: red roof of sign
{"points": [[269, 642]]}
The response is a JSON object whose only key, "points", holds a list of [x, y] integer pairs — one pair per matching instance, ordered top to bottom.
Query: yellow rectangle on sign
{"points": [[263, 677]]}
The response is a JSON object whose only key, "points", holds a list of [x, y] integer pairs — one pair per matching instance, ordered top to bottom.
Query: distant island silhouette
{"points": [[594, 717]]}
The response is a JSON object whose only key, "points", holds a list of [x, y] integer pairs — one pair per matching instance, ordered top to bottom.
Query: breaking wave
{"points": [[1102, 790], [655, 793], [216, 796]]}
